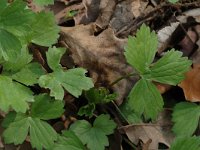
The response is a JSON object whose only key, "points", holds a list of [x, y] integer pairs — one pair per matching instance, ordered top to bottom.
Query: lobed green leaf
{"points": [[44, 30], [9, 45], [140, 50], [53, 57], [18, 62], [170, 69], [30, 74], [73, 80], [14, 95], [145, 99], [46, 108], [186, 118], [42, 135], [95, 137], [68, 141], [186, 143]]}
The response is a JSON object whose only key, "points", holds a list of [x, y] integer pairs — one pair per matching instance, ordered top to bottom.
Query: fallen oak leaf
{"points": [[101, 55], [191, 84], [145, 132], [151, 134]]}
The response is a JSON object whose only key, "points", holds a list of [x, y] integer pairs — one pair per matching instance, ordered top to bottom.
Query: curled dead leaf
{"points": [[191, 84]]}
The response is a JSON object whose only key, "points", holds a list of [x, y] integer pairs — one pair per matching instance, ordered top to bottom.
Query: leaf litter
{"points": [[96, 37]]}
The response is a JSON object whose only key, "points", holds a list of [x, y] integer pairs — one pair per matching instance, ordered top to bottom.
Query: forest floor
{"points": [[95, 33]]}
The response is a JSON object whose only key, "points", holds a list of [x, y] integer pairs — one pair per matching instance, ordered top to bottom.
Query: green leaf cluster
{"points": [[140, 51], [96, 96], [27, 112], [42, 135]]}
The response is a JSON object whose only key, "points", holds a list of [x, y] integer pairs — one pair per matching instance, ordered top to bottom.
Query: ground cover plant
{"points": [[50, 104]]}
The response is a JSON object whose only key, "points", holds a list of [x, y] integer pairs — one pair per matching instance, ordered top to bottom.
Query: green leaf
{"points": [[173, 1], [43, 2], [3, 4], [71, 13], [15, 14], [44, 30], [9, 45], [141, 49], [53, 57], [19, 62], [170, 68], [30, 74], [73, 80], [14, 95], [99, 96], [145, 99], [46, 108], [87, 110], [129, 114], [9, 118], [186, 118], [104, 124], [17, 131], [42, 135], [94, 136], [68, 141], [186, 143]]}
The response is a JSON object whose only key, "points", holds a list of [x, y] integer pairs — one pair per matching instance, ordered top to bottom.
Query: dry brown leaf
{"points": [[138, 7], [107, 8], [90, 13], [119, 20], [168, 35], [101, 55], [196, 56], [191, 84], [162, 87], [159, 132], [156, 134]]}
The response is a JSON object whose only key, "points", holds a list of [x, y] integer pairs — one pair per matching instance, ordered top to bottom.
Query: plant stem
{"points": [[123, 77], [120, 112], [130, 143]]}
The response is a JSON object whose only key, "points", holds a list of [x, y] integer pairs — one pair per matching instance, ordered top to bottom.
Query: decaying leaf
{"points": [[138, 7], [90, 13], [106, 13], [118, 20], [170, 35], [102, 55], [196, 56], [191, 84], [162, 87], [152, 134], [156, 134]]}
